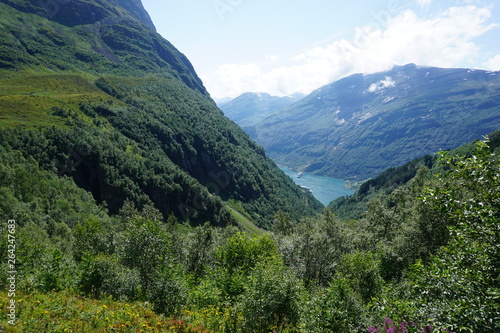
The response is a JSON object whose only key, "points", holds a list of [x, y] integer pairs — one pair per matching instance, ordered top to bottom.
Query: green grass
{"points": [[32, 100], [245, 223]]}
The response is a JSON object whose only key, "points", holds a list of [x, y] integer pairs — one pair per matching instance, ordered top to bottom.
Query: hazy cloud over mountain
{"points": [[446, 39]]}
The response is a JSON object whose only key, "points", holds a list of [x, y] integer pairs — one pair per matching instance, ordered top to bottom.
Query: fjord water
{"points": [[325, 189]]}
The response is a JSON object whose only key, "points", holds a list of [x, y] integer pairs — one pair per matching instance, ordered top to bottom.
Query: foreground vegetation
{"points": [[423, 257], [66, 312]]}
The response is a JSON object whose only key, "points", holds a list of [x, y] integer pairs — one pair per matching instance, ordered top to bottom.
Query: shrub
{"points": [[105, 275], [271, 298], [335, 309]]}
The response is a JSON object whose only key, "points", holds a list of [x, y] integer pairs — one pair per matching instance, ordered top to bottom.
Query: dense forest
{"points": [[423, 257]]}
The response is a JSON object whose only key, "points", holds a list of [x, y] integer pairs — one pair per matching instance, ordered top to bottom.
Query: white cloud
{"points": [[424, 3], [445, 40], [493, 63], [388, 82]]}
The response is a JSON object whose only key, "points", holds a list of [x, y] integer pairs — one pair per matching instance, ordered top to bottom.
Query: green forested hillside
{"points": [[115, 106], [382, 186], [354, 206]]}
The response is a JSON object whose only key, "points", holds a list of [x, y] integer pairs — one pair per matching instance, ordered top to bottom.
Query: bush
{"points": [[237, 258], [362, 270], [104, 275], [168, 291], [271, 298], [335, 309]]}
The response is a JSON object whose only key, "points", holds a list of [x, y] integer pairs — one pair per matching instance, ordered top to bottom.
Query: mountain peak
{"points": [[136, 8], [81, 12], [118, 35], [407, 66], [251, 107]]}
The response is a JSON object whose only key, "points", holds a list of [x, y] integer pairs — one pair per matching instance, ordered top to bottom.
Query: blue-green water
{"points": [[325, 189]]}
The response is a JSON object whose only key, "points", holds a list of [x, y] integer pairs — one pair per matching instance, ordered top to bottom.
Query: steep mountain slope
{"points": [[90, 90], [250, 108], [358, 126]]}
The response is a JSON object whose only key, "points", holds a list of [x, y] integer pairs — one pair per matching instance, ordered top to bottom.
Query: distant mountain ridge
{"points": [[250, 108], [357, 127]]}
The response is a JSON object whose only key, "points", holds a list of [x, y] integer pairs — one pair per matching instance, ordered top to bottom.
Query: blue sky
{"points": [[282, 47]]}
